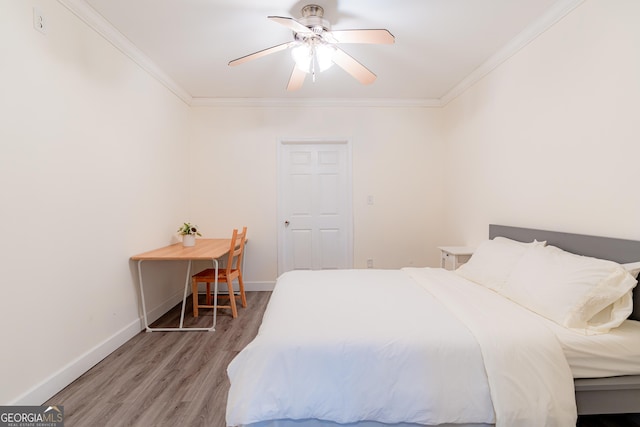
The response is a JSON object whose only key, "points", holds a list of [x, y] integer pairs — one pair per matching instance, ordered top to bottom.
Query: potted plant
{"points": [[189, 233]]}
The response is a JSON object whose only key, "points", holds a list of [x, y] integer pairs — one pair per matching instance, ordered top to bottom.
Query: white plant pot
{"points": [[188, 240]]}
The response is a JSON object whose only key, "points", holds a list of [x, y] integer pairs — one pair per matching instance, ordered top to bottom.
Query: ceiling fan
{"points": [[314, 47]]}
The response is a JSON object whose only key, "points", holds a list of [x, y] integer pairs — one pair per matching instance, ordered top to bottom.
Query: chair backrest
{"points": [[236, 250]]}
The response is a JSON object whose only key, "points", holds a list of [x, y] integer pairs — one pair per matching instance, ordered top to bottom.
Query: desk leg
{"points": [[184, 297], [184, 302], [144, 307]]}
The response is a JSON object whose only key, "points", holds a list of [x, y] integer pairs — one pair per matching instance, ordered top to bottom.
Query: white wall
{"points": [[551, 138], [397, 156], [92, 171]]}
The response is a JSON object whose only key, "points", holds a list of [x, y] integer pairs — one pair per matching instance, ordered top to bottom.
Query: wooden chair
{"points": [[232, 271]]}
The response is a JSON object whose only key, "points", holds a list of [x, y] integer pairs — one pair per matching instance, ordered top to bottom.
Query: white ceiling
{"points": [[440, 44]]}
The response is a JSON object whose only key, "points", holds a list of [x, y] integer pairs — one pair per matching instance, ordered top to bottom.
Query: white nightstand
{"points": [[454, 256]]}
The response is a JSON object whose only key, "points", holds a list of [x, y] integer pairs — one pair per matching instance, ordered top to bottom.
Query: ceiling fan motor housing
{"points": [[312, 17]]}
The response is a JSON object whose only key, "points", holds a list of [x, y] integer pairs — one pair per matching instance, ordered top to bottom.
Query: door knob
{"points": [[286, 223]]}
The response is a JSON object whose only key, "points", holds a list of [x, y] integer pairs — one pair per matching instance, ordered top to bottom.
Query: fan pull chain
{"points": [[313, 66]]}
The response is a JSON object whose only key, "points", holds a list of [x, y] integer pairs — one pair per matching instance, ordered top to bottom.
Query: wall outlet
{"points": [[39, 21], [370, 263]]}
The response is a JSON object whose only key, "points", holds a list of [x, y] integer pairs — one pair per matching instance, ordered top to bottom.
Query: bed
{"points": [[425, 346]]}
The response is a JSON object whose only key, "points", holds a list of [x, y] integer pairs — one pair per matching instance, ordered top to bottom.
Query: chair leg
{"points": [[194, 296], [243, 297], [232, 299], [208, 302]]}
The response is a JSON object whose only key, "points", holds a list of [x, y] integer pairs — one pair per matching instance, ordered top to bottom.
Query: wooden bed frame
{"points": [[612, 395]]}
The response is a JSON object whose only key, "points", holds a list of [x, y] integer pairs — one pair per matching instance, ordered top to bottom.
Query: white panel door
{"points": [[315, 206]]}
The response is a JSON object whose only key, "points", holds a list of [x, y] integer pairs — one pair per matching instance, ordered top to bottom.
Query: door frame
{"points": [[282, 142]]}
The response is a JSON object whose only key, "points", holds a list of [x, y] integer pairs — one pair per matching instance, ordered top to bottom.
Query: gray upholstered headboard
{"points": [[618, 250]]}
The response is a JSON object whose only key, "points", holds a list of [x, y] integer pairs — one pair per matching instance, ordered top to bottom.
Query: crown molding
{"points": [[546, 21], [99, 24], [315, 102]]}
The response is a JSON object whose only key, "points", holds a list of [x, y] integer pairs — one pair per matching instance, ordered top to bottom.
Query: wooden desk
{"points": [[205, 249]]}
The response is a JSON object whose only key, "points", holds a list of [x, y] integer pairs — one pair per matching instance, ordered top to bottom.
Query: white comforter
{"points": [[383, 345]]}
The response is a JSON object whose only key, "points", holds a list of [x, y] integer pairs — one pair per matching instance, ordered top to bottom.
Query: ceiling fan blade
{"points": [[290, 23], [363, 36], [260, 53], [353, 67], [297, 79]]}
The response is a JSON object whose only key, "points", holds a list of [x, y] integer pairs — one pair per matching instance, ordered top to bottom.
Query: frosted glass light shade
{"points": [[306, 55], [302, 56], [324, 56]]}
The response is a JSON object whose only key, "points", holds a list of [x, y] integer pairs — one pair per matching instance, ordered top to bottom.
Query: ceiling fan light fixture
{"points": [[308, 55], [302, 56], [324, 56]]}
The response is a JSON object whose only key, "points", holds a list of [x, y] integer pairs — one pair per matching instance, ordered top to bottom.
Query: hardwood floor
{"points": [[166, 379]]}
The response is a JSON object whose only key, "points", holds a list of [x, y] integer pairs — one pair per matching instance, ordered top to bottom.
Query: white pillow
{"points": [[493, 260], [633, 268], [578, 292]]}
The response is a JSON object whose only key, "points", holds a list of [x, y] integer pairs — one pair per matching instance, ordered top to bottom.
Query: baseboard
{"points": [[259, 286], [248, 287], [156, 313], [46, 389], [43, 391]]}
